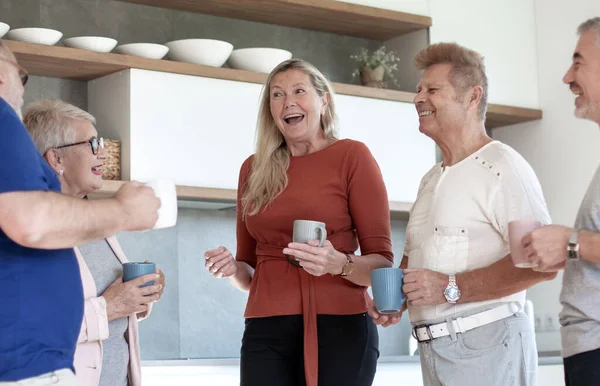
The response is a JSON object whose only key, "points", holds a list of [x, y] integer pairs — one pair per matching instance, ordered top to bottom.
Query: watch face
{"points": [[572, 255], [348, 268], [452, 293]]}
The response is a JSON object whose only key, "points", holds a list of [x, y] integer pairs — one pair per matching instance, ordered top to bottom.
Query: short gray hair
{"points": [[590, 24], [468, 69], [50, 123]]}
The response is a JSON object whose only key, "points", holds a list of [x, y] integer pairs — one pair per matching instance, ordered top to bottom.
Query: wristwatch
{"points": [[573, 246], [348, 267], [452, 293]]}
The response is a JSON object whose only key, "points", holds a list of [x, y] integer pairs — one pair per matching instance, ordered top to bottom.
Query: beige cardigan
{"points": [[94, 329]]}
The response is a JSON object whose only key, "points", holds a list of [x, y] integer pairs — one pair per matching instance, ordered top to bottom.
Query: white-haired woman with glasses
{"points": [[306, 319], [107, 352]]}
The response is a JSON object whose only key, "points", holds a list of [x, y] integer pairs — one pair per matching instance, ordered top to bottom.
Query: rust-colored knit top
{"points": [[341, 186]]}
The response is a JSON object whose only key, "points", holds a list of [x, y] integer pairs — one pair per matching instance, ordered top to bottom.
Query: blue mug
{"points": [[135, 270], [387, 289]]}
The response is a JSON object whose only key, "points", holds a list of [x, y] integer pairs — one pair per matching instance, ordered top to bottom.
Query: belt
{"points": [[342, 241], [425, 333]]}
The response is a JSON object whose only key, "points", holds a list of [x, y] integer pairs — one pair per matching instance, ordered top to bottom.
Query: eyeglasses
{"points": [[22, 72], [94, 142]]}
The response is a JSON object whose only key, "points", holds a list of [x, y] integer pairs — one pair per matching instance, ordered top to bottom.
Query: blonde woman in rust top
{"points": [[306, 324]]}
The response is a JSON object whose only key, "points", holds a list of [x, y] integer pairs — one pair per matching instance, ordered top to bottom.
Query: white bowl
{"points": [[3, 28], [46, 36], [92, 43], [144, 50], [208, 52], [258, 59]]}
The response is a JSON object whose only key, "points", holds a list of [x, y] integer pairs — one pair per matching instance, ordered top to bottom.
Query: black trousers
{"points": [[273, 350], [583, 369]]}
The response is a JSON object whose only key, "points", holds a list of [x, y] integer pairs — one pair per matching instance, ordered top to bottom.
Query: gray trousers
{"points": [[503, 353]]}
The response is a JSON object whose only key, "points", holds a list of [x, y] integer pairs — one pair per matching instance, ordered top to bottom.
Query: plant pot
{"points": [[372, 77]]}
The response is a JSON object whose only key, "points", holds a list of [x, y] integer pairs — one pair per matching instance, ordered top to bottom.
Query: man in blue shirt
{"points": [[41, 299]]}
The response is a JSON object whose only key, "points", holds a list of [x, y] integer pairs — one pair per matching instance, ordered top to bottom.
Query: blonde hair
{"points": [[468, 69], [50, 123], [268, 177]]}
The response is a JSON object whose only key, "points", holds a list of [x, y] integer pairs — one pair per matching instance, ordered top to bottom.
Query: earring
{"points": [[61, 172]]}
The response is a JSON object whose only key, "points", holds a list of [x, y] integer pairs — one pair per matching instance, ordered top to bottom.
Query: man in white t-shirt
{"points": [[464, 295]]}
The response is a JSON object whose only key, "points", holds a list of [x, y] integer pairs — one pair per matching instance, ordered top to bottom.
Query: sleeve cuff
{"points": [[95, 321]]}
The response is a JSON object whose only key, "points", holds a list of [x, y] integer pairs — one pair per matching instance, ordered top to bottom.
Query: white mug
{"points": [[167, 193]]}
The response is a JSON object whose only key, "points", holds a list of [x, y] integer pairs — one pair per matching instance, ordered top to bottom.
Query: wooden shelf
{"points": [[320, 15], [72, 63], [501, 115], [187, 193], [398, 210]]}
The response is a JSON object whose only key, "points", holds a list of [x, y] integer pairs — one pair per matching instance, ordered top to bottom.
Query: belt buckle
{"points": [[426, 327]]}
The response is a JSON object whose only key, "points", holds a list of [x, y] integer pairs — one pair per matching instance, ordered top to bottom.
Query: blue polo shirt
{"points": [[41, 296]]}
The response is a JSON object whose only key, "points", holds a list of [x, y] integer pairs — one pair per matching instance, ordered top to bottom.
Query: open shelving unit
{"points": [[319, 15], [73, 63]]}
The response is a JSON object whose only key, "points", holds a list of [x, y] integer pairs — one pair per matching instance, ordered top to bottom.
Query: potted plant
{"points": [[374, 67]]}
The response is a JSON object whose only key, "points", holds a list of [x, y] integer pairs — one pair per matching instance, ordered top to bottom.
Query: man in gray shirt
{"points": [[577, 250]]}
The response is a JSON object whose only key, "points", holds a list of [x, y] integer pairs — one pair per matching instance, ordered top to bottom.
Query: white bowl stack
{"points": [[3, 29], [46, 36], [92, 43], [143, 50], [207, 52], [258, 59]]}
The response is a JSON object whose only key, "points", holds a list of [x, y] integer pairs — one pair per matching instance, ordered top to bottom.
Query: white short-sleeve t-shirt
{"points": [[459, 221]]}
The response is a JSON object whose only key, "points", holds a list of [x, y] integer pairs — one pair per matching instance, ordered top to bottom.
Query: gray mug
{"points": [[305, 230], [135, 270]]}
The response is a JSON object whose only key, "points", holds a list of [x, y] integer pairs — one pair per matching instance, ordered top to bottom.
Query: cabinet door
{"points": [[196, 131], [391, 131]]}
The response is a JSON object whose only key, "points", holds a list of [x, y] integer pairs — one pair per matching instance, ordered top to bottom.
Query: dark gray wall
{"points": [[406, 48], [72, 91], [199, 316]]}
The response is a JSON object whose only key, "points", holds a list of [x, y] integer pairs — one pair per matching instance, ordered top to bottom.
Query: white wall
{"points": [[418, 7], [504, 33], [563, 150]]}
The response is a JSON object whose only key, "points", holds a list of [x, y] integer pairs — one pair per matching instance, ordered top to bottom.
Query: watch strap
{"points": [[451, 280]]}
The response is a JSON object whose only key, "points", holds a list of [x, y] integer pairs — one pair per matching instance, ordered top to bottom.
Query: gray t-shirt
{"points": [[105, 269], [580, 296]]}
